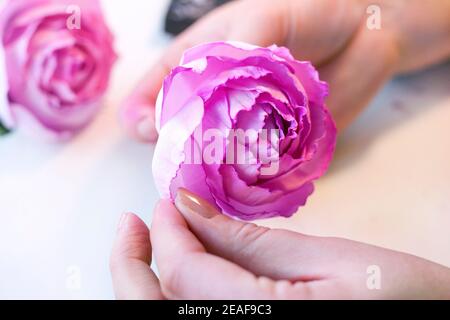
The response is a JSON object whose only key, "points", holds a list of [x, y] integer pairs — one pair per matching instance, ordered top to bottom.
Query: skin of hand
{"points": [[355, 60], [202, 254]]}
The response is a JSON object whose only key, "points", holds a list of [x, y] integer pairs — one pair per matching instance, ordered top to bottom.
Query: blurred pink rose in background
{"points": [[58, 57], [221, 88]]}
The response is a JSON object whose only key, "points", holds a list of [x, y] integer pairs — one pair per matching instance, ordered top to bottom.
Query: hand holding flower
{"points": [[202, 254]]}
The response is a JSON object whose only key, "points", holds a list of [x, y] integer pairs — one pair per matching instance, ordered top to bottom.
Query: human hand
{"points": [[353, 59], [202, 254]]}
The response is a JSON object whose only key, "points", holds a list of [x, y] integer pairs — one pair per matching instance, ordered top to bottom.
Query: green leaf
{"points": [[3, 130]]}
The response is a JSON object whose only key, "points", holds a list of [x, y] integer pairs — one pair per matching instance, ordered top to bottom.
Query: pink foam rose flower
{"points": [[58, 57], [244, 127]]}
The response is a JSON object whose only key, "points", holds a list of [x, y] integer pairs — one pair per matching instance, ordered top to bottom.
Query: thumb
{"points": [[273, 253]]}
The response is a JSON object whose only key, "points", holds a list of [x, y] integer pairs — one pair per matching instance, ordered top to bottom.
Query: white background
{"points": [[59, 204]]}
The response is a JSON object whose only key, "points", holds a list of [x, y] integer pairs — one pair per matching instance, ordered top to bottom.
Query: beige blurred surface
{"points": [[389, 183]]}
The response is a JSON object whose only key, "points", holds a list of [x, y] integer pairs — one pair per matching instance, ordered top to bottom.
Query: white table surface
{"points": [[59, 204]]}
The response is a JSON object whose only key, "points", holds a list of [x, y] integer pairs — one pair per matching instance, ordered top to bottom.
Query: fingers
{"points": [[357, 74], [137, 116], [277, 254], [130, 262], [315, 268], [186, 270], [189, 272]]}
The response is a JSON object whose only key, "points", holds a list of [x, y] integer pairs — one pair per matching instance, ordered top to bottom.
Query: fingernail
{"points": [[146, 130], [189, 203], [123, 220]]}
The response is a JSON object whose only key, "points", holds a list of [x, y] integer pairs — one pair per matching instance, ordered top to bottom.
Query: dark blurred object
{"points": [[183, 13], [3, 130]]}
